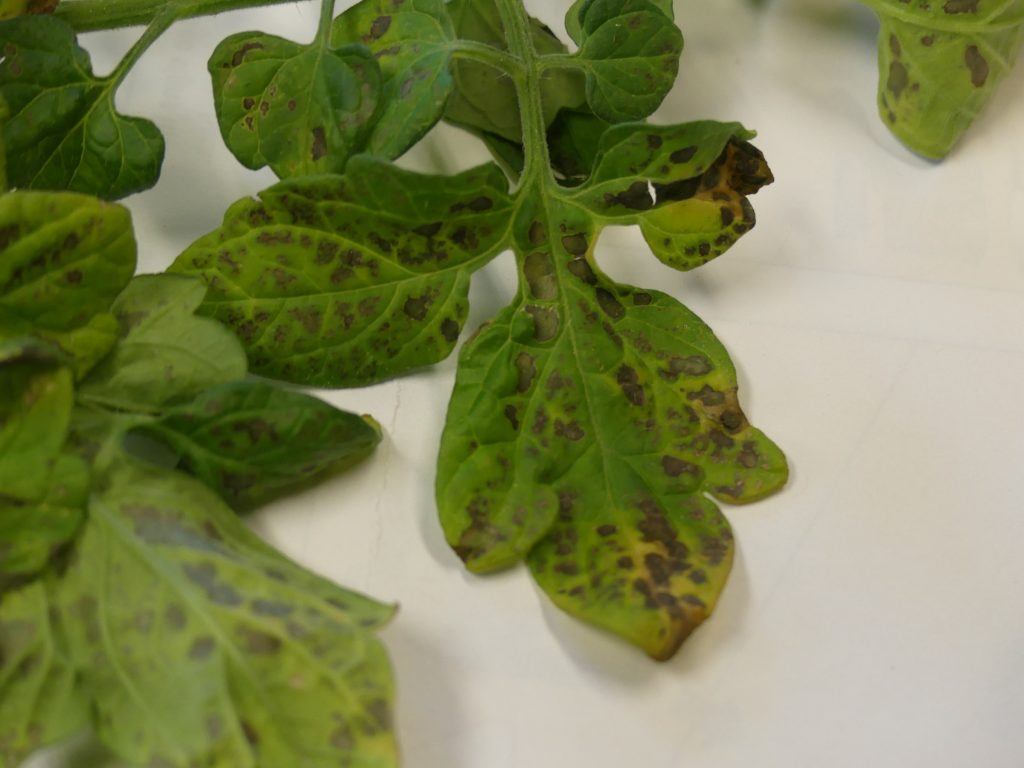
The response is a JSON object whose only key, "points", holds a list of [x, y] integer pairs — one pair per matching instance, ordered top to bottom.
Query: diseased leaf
{"points": [[412, 42], [629, 50], [939, 64], [485, 100], [301, 109], [64, 132], [573, 139], [686, 186], [64, 258], [347, 280], [86, 345], [165, 355], [583, 379], [36, 396], [251, 442], [33, 532], [198, 644], [41, 701]]}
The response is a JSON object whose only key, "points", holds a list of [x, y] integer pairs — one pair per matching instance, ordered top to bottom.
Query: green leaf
{"points": [[412, 41], [629, 50], [940, 63], [485, 98], [301, 109], [64, 132], [573, 140], [685, 185], [64, 258], [346, 280], [165, 355], [582, 378], [35, 410], [251, 442], [33, 533], [197, 644], [41, 701]]}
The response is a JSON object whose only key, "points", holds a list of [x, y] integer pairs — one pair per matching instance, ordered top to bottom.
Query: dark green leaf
{"points": [[412, 42], [629, 50], [940, 63], [484, 98], [301, 109], [64, 132], [573, 140], [686, 185], [64, 258], [345, 280], [165, 354], [584, 378], [35, 410], [251, 442], [33, 532], [199, 645], [41, 701]]}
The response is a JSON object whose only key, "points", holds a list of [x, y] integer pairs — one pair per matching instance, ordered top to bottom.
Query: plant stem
{"points": [[91, 15], [157, 27], [323, 34], [487, 54], [527, 81]]}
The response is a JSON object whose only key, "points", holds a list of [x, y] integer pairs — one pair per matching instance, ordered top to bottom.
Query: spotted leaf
{"points": [[412, 42], [629, 50], [940, 63], [484, 100], [301, 109], [64, 132], [685, 185], [346, 280], [164, 354], [583, 379], [251, 442], [196, 643], [41, 701]]}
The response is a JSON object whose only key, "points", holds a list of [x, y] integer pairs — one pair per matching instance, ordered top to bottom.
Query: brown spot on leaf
{"points": [[960, 6], [379, 27], [239, 55], [977, 64], [318, 150], [683, 155], [575, 244], [540, 275], [611, 306], [416, 307], [546, 323], [450, 330], [527, 368], [629, 382], [674, 467]]}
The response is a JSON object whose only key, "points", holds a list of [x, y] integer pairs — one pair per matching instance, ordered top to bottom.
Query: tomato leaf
{"points": [[412, 42], [940, 63], [301, 109], [64, 132], [345, 280], [165, 355], [251, 442], [198, 644]]}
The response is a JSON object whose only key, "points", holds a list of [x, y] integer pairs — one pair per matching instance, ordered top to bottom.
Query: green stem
{"points": [[92, 15], [156, 28], [323, 34], [487, 54], [527, 80]]}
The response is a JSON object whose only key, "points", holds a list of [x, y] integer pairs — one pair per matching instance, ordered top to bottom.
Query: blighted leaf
{"points": [[576, 16], [412, 42], [629, 50], [940, 63], [485, 98], [301, 109], [64, 132], [685, 185], [64, 258], [346, 280], [165, 354], [583, 378], [35, 410], [251, 442], [33, 533], [199, 645], [41, 701]]}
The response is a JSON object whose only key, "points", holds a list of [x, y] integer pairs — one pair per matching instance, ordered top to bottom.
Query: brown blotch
{"points": [[960, 6], [379, 27], [928, 41], [239, 55], [977, 64], [653, 141], [319, 147], [683, 155], [428, 230], [537, 233], [575, 244], [581, 269], [540, 275], [73, 276], [641, 299], [611, 306], [416, 307], [546, 323], [450, 330], [527, 368], [629, 382], [512, 414], [570, 431], [674, 467], [607, 529], [625, 562], [657, 566], [202, 648]]}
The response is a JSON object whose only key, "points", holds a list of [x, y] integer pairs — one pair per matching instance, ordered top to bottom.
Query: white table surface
{"points": [[876, 317]]}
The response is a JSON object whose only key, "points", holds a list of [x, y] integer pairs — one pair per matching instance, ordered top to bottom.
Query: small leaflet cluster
{"points": [[133, 600]]}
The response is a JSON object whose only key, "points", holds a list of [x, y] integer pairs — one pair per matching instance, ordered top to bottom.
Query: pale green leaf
{"points": [[939, 64], [346, 280], [165, 354]]}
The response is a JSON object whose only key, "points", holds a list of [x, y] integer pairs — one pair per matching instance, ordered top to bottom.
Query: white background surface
{"points": [[876, 317]]}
